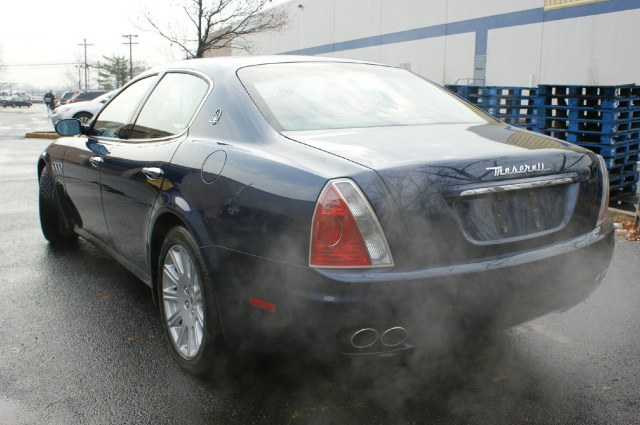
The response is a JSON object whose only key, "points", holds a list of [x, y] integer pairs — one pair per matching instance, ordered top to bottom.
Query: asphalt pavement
{"points": [[81, 343]]}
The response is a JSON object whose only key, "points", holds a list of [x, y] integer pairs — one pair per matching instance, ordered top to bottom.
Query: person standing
{"points": [[50, 101]]}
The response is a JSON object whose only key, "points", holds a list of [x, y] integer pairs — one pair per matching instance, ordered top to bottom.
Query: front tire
{"points": [[83, 117], [54, 228], [187, 304]]}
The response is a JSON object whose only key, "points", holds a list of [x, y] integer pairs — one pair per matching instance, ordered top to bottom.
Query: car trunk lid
{"points": [[466, 191]]}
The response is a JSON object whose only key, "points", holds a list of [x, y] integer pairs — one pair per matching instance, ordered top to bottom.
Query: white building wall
{"points": [[356, 18], [596, 49], [601, 49], [567, 51], [513, 56], [425, 57], [458, 60]]}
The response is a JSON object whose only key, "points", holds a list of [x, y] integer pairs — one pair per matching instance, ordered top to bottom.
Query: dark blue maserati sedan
{"points": [[328, 207]]}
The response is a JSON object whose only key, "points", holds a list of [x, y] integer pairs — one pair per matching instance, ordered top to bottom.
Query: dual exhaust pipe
{"points": [[391, 337]]}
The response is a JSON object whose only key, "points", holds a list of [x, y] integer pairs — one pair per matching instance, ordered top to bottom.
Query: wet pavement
{"points": [[16, 122], [81, 342]]}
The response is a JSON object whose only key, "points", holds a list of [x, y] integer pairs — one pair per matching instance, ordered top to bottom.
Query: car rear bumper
{"points": [[317, 312]]}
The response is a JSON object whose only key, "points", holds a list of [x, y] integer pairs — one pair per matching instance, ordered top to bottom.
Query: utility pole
{"points": [[130, 43], [86, 79]]}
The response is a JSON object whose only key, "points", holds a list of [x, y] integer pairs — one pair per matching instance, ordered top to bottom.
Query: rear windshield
{"points": [[317, 96]]}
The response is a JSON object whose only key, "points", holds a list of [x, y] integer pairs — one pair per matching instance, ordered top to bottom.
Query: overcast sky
{"points": [[37, 37]]}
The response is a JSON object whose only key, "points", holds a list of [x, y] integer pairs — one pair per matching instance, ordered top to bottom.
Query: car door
{"points": [[84, 157], [81, 166], [133, 171]]}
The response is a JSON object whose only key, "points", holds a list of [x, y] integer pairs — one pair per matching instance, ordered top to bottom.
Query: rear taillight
{"points": [[604, 185], [345, 231]]}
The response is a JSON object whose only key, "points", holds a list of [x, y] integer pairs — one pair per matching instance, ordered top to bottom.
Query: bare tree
{"points": [[218, 24], [72, 78]]}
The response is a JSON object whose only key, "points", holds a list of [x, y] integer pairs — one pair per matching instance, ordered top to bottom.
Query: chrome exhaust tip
{"points": [[393, 337], [364, 338]]}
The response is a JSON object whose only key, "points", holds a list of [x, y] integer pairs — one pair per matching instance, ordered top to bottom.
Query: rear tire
{"points": [[54, 228], [187, 304]]}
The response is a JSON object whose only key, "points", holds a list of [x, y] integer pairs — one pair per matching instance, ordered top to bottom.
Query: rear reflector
{"points": [[345, 231], [262, 304]]}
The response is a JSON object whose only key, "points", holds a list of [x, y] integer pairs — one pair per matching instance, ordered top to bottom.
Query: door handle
{"points": [[96, 161], [153, 173]]}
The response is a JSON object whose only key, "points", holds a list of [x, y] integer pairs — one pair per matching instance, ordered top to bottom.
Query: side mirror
{"points": [[70, 127]]}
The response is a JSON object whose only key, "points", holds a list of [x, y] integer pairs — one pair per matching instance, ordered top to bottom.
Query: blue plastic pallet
{"points": [[568, 90], [462, 91], [516, 91], [504, 92], [587, 103], [511, 113], [591, 114], [605, 115], [529, 119], [519, 123], [590, 126], [591, 139], [612, 151], [624, 157], [621, 170], [618, 182], [623, 192]]}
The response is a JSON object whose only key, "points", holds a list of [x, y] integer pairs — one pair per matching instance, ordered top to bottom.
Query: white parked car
{"points": [[82, 111]]}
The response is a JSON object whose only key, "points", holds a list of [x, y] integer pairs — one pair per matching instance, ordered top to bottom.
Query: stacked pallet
{"points": [[513, 105], [604, 119]]}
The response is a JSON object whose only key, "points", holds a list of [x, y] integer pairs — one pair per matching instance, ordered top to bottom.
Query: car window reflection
{"points": [[170, 107], [117, 114]]}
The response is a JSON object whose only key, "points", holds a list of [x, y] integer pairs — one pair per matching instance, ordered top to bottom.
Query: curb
{"points": [[41, 135], [622, 212]]}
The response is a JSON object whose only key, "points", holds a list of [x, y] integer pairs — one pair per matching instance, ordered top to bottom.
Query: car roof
{"points": [[233, 63]]}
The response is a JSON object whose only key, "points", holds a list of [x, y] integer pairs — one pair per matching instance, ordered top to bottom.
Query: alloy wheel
{"points": [[182, 301]]}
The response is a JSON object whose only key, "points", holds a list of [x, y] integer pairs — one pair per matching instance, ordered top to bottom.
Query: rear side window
{"points": [[171, 106], [117, 114]]}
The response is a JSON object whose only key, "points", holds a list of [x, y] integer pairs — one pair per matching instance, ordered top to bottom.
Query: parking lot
{"points": [[82, 342]]}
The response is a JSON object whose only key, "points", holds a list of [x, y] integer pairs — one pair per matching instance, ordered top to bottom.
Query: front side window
{"points": [[317, 96], [171, 106], [117, 114]]}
